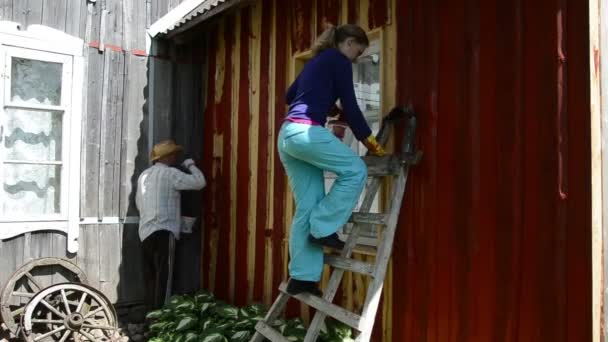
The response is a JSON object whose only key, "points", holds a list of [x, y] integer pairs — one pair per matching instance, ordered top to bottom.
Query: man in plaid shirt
{"points": [[159, 203]]}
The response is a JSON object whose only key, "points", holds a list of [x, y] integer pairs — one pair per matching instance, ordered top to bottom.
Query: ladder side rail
{"points": [[336, 276], [374, 291], [273, 313]]}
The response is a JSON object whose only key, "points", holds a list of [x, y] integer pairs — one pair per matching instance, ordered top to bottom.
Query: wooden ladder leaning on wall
{"points": [[396, 166]]}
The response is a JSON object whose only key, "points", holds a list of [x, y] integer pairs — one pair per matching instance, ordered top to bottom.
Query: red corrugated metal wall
{"points": [[494, 242]]}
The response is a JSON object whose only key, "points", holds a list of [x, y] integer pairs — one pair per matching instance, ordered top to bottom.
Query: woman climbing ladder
{"points": [[307, 148]]}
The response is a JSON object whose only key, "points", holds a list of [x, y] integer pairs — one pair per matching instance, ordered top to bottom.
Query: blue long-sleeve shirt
{"points": [[324, 79]]}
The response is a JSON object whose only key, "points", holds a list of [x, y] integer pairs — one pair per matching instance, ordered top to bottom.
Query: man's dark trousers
{"points": [[157, 259]]}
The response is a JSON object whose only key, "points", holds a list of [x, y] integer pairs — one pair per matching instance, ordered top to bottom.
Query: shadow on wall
{"points": [[178, 114]]}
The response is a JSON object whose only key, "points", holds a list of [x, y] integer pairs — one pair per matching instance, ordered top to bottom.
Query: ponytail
{"points": [[332, 36], [326, 40]]}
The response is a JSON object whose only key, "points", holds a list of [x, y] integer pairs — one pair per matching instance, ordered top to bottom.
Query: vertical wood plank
{"points": [[353, 11], [6, 12], [20, 12], [34, 12], [327, 12], [55, 14], [75, 18], [301, 20], [115, 23], [162, 100], [117, 103], [225, 129], [254, 133], [91, 136], [263, 136], [235, 142], [279, 191], [209, 215], [59, 249], [88, 256], [11, 257], [109, 259], [131, 277]]}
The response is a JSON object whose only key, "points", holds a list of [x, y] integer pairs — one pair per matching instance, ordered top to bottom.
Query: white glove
{"points": [[187, 163]]}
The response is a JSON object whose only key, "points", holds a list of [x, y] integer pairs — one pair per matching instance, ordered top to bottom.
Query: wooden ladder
{"points": [[396, 166]]}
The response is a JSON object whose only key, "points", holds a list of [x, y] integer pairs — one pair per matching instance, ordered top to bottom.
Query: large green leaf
{"points": [[204, 297], [176, 300], [186, 305], [207, 308], [256, 309], [227, 311], [156, 314], [186, 323], [208, 324], [245, 324], [224, 326], [158, 327], [241, 336], [191, 337], [215, 337]]}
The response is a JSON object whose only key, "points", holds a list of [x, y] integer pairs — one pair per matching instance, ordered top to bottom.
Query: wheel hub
{"points": [[74, 321]]}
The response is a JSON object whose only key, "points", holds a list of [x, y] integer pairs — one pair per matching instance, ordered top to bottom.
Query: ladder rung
{"points": [[381, 166], [368, 218], [365, 250], [350, 264], [349, 318], [269, 332]]}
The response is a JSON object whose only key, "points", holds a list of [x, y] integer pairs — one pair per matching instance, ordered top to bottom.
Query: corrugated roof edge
{"points": [[202, 13], [169, 20]]}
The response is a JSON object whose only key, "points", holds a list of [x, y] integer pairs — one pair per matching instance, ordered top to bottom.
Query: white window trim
{"points": [[46, 39]]}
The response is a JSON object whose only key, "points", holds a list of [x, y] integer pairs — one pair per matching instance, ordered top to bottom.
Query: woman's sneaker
{"points": [[332, 241], [299, 286]]}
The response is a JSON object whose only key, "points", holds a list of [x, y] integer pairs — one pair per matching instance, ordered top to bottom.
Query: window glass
{"points": [[35, 82], [32, 135], [31, 190]]}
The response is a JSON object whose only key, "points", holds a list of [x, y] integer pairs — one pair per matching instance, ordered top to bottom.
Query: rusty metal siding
{"points": [[497, 234], [494, 239]]}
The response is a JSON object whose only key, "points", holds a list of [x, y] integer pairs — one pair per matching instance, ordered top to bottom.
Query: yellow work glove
{"points": [[373, 147]]}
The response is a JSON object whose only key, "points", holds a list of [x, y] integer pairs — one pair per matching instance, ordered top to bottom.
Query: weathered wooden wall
{"points": [[115, 134], [248, 205], [494, 243]]}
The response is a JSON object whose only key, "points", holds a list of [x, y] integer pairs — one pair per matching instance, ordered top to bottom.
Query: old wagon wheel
{"points": [[25, 283], [68, 312]]}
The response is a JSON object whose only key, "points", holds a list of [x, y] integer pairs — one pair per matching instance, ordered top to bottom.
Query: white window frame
{"points": [[47, 44]]}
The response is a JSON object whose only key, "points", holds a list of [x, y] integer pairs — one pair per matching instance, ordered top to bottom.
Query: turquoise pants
{"points": [[306, 151]]}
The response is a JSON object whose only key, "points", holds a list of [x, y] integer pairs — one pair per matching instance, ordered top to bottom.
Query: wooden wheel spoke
{"points": [[33, 281], [23, 294], [65, 302], [81, 303], [50, 307], [18, 311], [93, 312], [47, 321], [102, 327], [52, 332], [87, 335], [65, 336]]}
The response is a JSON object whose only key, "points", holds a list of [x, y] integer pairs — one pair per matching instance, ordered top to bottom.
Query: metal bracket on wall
{"points": [[109, 220]]}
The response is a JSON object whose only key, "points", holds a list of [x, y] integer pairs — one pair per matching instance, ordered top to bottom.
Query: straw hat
{"points": [[163, 149]]}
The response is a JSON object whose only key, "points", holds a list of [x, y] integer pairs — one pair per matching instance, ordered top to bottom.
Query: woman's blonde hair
{"points": [[332, 36]]}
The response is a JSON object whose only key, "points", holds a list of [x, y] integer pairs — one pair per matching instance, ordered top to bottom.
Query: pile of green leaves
{"points": [[203, 318]]}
